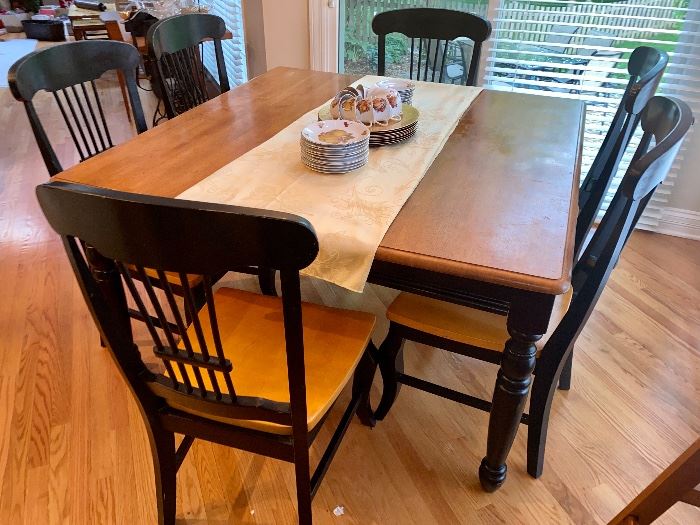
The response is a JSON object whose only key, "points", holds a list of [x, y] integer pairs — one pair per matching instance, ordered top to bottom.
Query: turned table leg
{"points": [[512, 386]]}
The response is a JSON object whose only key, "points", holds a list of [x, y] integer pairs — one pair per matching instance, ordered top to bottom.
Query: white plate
{"points": [[335, 132], [392, 132], [392, 136], [388, 142], [305, 145], [336, 147], [336, 155], [343, 160], [320, 162], [335, 162], [336, 167], [322, 169]]}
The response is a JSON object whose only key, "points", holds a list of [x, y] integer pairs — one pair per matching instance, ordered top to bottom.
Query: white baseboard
{"points": [[679, 223]]}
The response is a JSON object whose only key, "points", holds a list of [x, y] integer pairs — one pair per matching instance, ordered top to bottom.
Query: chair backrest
{"points": [[427, 27], [176, 45], [646, 66], [64, 71], [665, 122], [112, 237]]}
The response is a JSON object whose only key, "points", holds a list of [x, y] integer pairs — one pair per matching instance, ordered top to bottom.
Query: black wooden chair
{"points": [[431, 31], [175, 45], [646, 66], [65, 71], [182, 82], [482, 335], [253, 372]]}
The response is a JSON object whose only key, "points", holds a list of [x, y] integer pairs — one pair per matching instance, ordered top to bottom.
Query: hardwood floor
{"points": [[73, 448]]}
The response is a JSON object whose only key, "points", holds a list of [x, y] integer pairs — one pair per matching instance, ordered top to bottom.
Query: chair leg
{"points": [[125, 97], [266, 280], [390, 363], [565, 378], [362, 384], [543, 390], [165, 470], [303, 480]]}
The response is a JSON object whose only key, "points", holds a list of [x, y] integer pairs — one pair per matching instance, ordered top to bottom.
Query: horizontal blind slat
{"points": [[233, 49]]}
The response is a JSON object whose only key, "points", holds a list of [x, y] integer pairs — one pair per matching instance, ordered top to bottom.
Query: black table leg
{"points": [[526, 324]]}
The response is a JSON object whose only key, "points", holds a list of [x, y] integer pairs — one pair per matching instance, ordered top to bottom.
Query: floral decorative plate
{"points": [[335, 132]]}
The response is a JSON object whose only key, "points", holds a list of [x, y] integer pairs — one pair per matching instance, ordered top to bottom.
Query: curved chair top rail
{"points": [[443, 24], [179, 32], [59, 67], [645, 67], [666, 120], [193, 237]]}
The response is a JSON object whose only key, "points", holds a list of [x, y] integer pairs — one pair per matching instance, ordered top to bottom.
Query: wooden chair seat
{"points": [[463, 324], [252, 335]]}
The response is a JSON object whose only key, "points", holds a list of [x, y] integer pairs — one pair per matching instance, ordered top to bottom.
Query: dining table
{"points": [[490, 225]]}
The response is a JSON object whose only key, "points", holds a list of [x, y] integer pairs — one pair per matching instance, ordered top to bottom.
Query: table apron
{"points": [[528, 311]]}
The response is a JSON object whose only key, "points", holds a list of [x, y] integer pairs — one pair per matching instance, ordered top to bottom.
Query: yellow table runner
{"points": [[350, 212]]}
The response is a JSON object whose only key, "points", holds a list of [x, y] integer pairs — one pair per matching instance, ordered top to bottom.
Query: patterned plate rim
{"points": [[313, 129]]}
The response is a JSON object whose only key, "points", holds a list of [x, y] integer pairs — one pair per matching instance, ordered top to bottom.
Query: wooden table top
{"points": [[497, 205]]}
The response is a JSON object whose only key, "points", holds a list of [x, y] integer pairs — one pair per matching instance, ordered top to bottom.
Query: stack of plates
{"points": [[404, 87], [383, 135], [392, 136], [335, 146]]}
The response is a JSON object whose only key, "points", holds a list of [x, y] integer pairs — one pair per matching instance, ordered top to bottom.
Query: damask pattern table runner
{"points": [[350, 212]]}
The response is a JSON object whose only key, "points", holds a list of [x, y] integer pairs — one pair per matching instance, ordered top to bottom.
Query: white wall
{"points": [[286, 33], [254, 37], [686, 190]]}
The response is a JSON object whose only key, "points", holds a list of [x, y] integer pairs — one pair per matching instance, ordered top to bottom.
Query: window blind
{"points": [[234, 49], [579, 50]]}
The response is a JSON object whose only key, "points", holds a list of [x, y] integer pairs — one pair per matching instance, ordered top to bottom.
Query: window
{"points": [[234, 48]]}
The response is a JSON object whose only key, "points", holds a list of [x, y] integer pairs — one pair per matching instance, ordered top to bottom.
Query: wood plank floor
{"points": [[73, 449]]}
